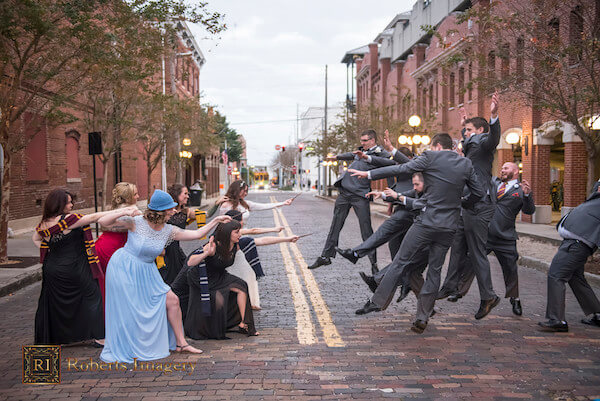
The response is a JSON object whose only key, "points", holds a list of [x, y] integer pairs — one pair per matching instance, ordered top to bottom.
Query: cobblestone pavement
{"points": [[313, 346]]}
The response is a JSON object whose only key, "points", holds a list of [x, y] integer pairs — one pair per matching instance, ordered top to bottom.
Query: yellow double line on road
{"points": [[304, 324]]}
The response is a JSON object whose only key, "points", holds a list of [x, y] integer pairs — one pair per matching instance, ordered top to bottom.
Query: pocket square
{"points": [[515, 194]]}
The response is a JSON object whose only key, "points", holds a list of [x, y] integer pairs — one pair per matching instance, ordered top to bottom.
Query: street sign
{"points": [[277, 147], [228, 169], [294, 170]]}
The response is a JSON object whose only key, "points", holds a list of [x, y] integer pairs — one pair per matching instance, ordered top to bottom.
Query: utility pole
{"points": [[325, 127]]}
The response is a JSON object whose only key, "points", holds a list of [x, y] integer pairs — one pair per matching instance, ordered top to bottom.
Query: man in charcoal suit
{"points": [[479, 145], [446, 174], [351, 194], [512, 197], [580, 229]]}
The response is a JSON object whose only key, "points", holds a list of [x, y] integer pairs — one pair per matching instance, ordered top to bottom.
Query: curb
{"points": [[540, 238], [23, 280]]}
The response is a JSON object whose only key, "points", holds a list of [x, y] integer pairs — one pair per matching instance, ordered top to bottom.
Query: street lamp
{"points": [[414, 121], [512, 138], [416, 139], [186, 141]]}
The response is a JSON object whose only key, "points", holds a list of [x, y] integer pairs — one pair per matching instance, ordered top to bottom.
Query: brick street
{"points": [[313, 346]]}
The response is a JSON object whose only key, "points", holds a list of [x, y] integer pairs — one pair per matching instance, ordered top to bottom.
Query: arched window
{"points": [[576, 34], [72, 152], [35, 153]]}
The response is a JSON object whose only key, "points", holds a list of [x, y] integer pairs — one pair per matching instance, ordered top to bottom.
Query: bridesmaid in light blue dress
{"points": [[143, 317]]}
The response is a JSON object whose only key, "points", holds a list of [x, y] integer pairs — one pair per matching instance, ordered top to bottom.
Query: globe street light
{"points": [[414, 121]]}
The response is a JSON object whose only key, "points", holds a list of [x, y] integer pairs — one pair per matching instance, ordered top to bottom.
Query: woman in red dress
{"points": [[124, 194]]}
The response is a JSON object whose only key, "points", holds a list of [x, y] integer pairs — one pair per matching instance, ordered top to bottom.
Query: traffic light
{"points": [[300, 147], [283, 148]]}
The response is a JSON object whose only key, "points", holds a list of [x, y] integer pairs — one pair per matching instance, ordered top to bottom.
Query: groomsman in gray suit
{"points": [[479, 145], [446, 174], [351, 194], [512, 198], [580, 229]]}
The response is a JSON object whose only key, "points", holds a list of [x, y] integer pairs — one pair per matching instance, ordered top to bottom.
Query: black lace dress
{"points": [[174, 255], [70, 305], [225, 315]]}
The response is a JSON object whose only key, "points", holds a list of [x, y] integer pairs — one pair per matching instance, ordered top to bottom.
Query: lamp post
{"points": [[414, 121]]}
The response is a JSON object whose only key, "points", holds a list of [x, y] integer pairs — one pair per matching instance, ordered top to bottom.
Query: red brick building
{"points": [[404, 72], [58, 156]]}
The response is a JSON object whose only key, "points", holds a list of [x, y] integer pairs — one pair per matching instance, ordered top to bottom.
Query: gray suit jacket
{"points": [[480, 150], [445, 173], [352, 184], [596, 186], [507, 208], [584, 220]]}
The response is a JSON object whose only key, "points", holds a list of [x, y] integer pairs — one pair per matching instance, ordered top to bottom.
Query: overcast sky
{"points": [[272, 58]]}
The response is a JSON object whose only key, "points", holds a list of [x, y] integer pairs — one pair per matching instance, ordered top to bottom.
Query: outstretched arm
{"points": [[490, 143], [110, 219], [256, 231], [188, 235], [275, 240]]}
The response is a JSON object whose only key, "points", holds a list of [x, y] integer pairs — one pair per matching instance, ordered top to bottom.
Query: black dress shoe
{"points": [[347, 253], [321, 261], [374, 269], [369, 280], [404, 291], [444, 292], [454, 298], [486, 306], [516, 306], [368, 308], [433, 312], [594, 320], [418, 326], [554, 326]]}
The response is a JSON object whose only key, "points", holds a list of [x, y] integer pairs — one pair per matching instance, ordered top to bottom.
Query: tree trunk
{"points": [[149, 177], [591, 178], [4, 205]]}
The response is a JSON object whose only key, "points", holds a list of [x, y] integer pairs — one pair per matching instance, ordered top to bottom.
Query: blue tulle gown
{"points": [[136, 295]]}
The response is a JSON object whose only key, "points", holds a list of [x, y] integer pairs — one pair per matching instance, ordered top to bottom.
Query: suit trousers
{"points": [[343, 203], [392, 229], [417, 239], [470, 242], [507, 255], [568, 267], [413, 278]]}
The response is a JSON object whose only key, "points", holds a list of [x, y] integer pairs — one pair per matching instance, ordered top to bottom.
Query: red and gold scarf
{"points": [[64, 224]]}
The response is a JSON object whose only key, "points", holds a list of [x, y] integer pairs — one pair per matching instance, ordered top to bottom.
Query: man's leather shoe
{"points": [[347, 253], [321, 261], [374, 269], [369, 280], [404, 291], [444, 292], [454, 298], [486, 306], [516, 306], [368, 308], [433, 312], [594, 320], [418, 326], [554, 326]]}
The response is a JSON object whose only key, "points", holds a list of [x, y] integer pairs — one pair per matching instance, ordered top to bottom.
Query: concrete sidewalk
{"points": [[13, 279]]}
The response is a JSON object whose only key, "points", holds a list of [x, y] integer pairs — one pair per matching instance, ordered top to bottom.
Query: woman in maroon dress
{"points": [[124, 194]]}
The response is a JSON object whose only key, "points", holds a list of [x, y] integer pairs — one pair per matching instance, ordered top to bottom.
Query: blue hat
{"points": [[161, 201]]}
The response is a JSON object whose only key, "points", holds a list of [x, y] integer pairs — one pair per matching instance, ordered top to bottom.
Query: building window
{"points": [[554, 26], [576, 34], [505, 61], [520, 61], [491, 64], [461, 85], [470, 90], [451, 95], [432, 106], [72, 151], [35, 152]]}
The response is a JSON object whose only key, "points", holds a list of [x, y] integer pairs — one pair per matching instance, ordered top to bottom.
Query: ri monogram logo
{"points": [[41, 364]]}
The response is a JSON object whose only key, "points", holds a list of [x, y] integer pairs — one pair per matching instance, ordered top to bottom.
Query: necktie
{"points": [[501, 190]]}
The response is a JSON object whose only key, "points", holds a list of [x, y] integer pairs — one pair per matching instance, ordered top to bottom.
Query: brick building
{"points": [[404, 72], [58, 155]]}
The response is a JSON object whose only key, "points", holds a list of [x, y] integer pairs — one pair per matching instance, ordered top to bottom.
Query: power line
{"points": [[276, 121]]}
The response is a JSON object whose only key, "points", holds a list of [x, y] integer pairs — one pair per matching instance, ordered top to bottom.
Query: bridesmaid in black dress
{"points": [[174, 255], [70, 304], [230, 308]]}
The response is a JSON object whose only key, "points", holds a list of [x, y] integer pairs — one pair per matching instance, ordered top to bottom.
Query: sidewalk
{"points": [[540, 232], [13, 279]]}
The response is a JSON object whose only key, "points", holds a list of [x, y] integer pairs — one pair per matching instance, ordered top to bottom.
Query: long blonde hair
{"points": [[123, 194]]}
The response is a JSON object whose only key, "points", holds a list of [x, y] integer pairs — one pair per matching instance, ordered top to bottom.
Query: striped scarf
{"points": [[64, 224], [248, 246], [202, 276]]}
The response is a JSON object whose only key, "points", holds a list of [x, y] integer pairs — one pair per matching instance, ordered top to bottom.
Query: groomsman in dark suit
{"points": [[479, 145], [446, 174], [351, 194], [512, 197], [580, 229]]}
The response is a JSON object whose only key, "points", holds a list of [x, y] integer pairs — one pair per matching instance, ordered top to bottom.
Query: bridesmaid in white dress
{"points": [[241, 268]]}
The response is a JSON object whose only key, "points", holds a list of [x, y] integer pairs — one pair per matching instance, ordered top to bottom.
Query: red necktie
{"points": [[501, 190]]}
